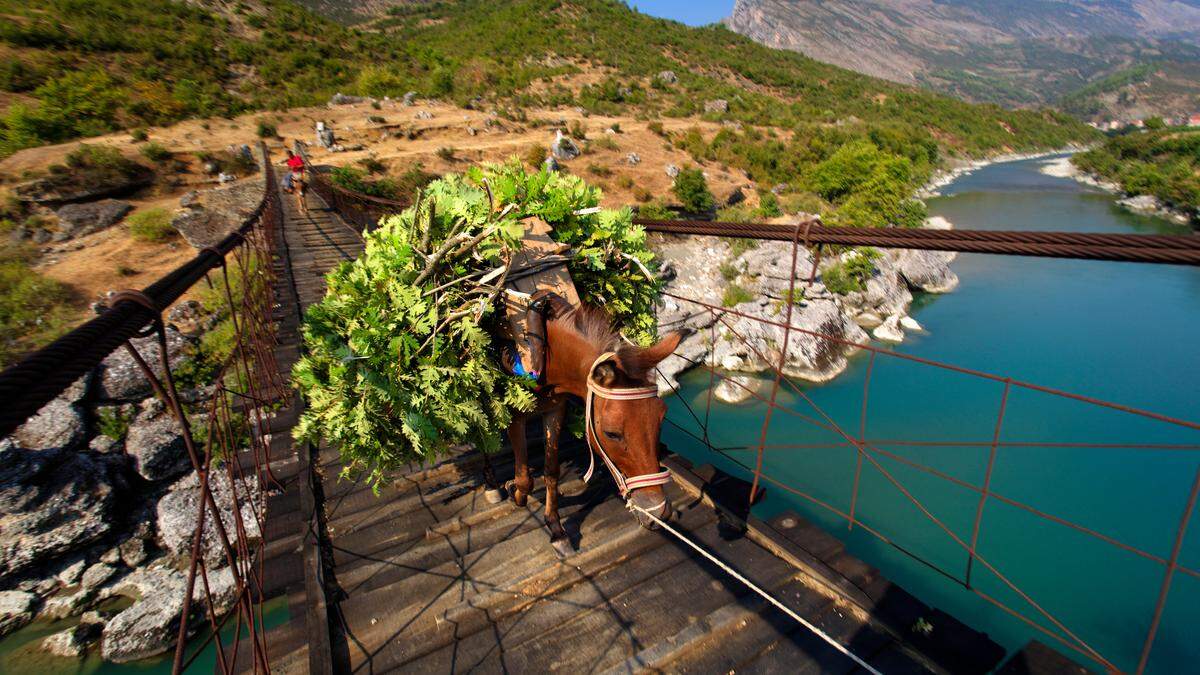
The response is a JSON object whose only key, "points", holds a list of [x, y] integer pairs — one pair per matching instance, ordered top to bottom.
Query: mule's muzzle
{"points": [[654, 501]]}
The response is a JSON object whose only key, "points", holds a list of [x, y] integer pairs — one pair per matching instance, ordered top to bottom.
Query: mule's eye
{"points": [[614, 435]]}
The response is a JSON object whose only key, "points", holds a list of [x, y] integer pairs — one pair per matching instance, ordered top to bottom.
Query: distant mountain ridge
{"points": [[1013, 52]]}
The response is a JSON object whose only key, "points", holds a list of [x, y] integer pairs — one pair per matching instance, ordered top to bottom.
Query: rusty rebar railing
{"points": [[869, 451], [234, 454]]}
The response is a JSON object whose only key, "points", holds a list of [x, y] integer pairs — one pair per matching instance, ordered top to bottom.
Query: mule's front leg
{"points": [[553, 421], [522, 483]]}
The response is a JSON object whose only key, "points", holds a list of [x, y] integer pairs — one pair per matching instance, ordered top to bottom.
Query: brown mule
{"points": [[586, 358]]}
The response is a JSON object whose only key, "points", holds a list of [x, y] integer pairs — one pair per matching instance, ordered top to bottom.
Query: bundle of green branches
{"points": [[400, 364]]}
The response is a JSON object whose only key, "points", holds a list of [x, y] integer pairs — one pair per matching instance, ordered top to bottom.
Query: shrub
{"points": [[376, 119], [616, 126], [267, 129], [657, 129], [578, 131], [139, 135], [604, 143], [155, 152], [446, 153], [535, 155], [372, 165], [598, 170], [625, 181], [691, 189], [642, 195], [768, 205], [655, 211], [151, 225], [124, 270], [728, 271], [851, 274], [735, 295], [33, 308], [112, 423]]}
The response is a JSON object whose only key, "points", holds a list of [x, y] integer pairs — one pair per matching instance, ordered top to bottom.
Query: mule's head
{"points": [[628, 430]]}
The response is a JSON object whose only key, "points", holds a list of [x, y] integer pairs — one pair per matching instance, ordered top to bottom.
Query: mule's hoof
{"points": [[493, 495], [563, 547]]}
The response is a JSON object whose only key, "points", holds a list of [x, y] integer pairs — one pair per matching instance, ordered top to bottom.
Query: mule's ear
{"points": [[663, 348], [605, 374]]}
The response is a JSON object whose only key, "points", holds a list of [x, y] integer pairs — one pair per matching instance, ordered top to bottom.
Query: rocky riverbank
{"points": [[1063, 167], [958, 168], [744, 338], [99, 499]]}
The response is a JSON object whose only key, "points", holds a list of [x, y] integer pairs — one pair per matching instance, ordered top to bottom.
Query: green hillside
{"points": [[81, 68], [1164, 163]]}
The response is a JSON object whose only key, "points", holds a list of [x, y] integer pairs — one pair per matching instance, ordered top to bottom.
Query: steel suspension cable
{"points": [[1146, 248]]}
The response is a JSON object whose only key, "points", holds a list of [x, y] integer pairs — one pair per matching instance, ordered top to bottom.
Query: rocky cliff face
{"points": [[1018, 52], [743, 339]]}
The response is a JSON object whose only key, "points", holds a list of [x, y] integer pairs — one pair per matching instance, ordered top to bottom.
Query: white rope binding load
{"points": [[752, 586]]}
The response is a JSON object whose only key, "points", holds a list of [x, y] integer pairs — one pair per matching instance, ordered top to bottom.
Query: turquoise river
{"points": [[1115, 331]]}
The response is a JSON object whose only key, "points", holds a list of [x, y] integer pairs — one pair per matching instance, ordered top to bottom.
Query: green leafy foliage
{"points": [[105, 65], [1163, 163], [691, 189], [151, 225], [851, 274], [735, 295], [34, 309], [400, 364], [111, 423]]}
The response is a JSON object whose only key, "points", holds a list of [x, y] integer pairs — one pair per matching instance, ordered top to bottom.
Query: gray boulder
{"points": [[667, 77], [410, 97], [342, 99], [718, 105], [564, 148], [633, 159], [551, 164], [672, 171], [213, 214], [76, 220], [927, 271], [886, 292], [817, 352], [120, 377], [738, 388], [59, 424], [155, 442], [52, 502], [179, 509], [97, 575], [16, 610], [151, 624], [74, 641]]}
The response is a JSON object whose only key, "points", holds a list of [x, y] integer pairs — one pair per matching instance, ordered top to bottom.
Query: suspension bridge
{"points": [[429, 576]]}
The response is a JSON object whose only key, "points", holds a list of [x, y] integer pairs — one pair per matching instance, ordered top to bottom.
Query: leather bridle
{"points": [[625, 484]]}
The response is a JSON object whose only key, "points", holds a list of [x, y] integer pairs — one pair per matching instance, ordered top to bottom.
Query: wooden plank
{"points": [[1038, 659]]}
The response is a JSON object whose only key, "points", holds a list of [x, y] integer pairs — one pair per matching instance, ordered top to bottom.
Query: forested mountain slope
{"points": [[77, 69]]}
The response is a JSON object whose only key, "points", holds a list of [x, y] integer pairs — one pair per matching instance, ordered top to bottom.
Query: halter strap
{"points": [[625, 484]]}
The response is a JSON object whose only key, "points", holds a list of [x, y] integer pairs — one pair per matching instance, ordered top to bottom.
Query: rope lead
{"points": [[751, 585]]}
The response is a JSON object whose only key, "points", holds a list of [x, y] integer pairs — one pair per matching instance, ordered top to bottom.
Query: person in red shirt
{"points": [[294, 181]]}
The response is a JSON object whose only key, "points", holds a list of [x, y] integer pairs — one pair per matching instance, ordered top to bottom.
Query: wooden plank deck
{"points": [[428, 576]]}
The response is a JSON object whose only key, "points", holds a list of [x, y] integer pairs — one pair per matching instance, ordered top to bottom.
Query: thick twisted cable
{"points": [[1181, 250]]}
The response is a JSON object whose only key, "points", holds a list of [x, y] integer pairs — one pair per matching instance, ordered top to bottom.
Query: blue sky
{"points": [[691, 12]]}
